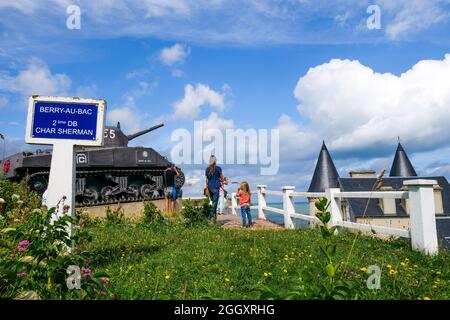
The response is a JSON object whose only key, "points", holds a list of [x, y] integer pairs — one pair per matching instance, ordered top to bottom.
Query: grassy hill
{"points": [[172, 261]]}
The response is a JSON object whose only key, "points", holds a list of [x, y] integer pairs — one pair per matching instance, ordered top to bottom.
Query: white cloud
{"points": [[25, 6], [158, 8], [411, 16], [232, 21], [175, 54], [137, 73], [177, 73], [36, 78], [87, 91], [196, 97], [3, 101], [355, 108], [128, 117], [215, 122]]}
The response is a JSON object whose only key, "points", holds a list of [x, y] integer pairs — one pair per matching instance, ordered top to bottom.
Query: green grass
{"points": [[178, 262]]}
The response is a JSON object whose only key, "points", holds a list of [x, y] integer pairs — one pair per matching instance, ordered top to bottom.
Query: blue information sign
{"points": [[59, 120]]}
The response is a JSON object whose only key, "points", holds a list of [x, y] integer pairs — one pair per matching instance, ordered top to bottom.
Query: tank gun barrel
{"points": [[140, 133]]}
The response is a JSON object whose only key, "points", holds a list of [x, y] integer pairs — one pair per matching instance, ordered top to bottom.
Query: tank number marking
{"points": [[111, 133], [81, 158]]}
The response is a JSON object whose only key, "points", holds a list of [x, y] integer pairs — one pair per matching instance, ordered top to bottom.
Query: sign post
{"points": [[64, 123]]}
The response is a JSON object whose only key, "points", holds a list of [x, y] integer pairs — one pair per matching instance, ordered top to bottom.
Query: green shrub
{"points": [[19, 202], [151, 213], [195, 213], [114, 216], [85, 221], [39, 257]]}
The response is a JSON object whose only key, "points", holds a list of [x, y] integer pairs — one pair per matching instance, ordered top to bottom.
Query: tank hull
{"points": [[103, 175]]}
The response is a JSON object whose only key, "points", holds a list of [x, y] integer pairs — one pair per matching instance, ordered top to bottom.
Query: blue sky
{"points": [[309, 68]]}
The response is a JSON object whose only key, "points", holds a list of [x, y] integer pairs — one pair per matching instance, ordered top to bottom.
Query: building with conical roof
{"points": [[401, 166], [325, 174]]}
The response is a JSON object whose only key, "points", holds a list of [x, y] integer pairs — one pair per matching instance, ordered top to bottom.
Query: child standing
{"points": [[244, 196]]}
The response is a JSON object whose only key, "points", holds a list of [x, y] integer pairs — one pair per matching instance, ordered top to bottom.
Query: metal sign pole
{"points": [[61, 186]]}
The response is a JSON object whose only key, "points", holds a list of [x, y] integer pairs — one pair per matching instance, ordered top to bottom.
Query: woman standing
{"points": [[214, 178]]}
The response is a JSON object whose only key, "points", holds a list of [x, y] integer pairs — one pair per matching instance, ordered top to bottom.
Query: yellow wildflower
{"points": [[402, 264], [389, 266], [363, 269], [285, 270], [392, 271], [438, 273], [266, 274], [167, 277], [227, 280], [426, 298]]}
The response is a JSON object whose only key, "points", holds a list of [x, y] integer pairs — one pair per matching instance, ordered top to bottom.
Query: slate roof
{"points": [[401, 166], [325, 174], [356, 207], [443, 231]]}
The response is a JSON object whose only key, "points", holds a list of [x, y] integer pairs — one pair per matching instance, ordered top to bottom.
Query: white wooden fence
{"points": [[422, 217]]}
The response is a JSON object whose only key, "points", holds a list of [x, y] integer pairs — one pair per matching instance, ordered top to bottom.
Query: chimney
{"points": [[362, 174], [438, 199], [438, 203], [387, 205]]}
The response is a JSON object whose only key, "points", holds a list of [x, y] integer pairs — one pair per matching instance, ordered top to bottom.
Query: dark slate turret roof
{"points": [[402, 167], [325, 175]]}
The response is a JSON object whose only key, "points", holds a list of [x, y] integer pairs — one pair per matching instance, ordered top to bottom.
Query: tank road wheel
{"points": [[179, 180], [38, 184], [133, 190], [147, 191], [106, 193], [90, 195]]}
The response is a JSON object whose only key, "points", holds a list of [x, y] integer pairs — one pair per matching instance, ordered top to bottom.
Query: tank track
{"points": [[114, 181]]}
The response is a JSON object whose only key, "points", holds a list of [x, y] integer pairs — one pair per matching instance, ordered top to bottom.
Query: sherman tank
{"points": [[109, 174]]}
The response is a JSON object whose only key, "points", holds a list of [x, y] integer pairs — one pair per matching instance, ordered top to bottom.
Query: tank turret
{"points": [[114, 136], [112, 173]]}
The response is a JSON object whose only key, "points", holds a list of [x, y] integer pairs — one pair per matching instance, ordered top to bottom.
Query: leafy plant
{"points": [[18, 202], [151, 213], [195, 213], [114, 216], [85, 221], [41, 252], [332, 288]]}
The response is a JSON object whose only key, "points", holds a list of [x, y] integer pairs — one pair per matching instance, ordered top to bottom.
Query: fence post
{"points": [[261, 201], [233, 204], [288, 206], [335, 207], [422, 215]]}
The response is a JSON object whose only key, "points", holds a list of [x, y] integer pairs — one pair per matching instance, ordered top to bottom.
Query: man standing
{"points": [[170, 191]]}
